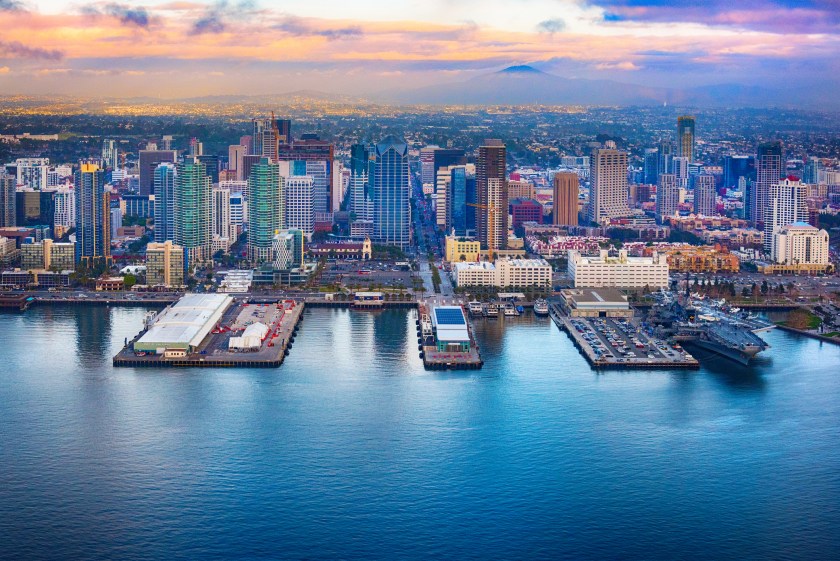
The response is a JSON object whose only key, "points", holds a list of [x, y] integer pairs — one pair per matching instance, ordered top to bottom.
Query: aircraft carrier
{"points": [[728, 333]]}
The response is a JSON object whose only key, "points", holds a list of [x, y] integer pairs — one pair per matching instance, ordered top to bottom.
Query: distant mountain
{"points": [[523, 85]]}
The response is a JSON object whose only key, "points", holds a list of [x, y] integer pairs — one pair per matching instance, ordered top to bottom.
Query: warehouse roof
{"points": [[187, 322]]}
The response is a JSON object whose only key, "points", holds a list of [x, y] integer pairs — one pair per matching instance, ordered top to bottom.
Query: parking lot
{"points": [[367, 274], [618, 340]]}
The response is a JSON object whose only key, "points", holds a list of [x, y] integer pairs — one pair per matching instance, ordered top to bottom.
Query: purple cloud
{"points": [[15, 49]]}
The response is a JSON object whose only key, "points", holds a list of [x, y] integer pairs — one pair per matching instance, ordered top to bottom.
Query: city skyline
{"points": [[176, 50]]}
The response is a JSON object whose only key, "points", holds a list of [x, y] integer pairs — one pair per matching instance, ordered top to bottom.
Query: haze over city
{"points": [[783, 52]]}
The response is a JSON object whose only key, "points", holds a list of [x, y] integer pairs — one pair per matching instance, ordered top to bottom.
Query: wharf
{"points": [[18, 301], [213, 350], [434, 359], [638, 359]]}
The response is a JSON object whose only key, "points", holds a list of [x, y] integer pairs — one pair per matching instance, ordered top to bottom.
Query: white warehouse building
{"points": [[619, 272], [185, 324]]}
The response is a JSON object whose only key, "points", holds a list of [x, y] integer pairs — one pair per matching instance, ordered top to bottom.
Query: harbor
{"points": [[215, 331]]}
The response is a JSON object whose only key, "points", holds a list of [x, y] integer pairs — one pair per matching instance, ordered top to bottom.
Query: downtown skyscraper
{"points": [[685, 137], [769, 168], [8, 185], [164, 186], [566, 191], [608, 192], [391, 194], [705, 195], [266, 209], [192, 211], [491, 216], [93, 230]]}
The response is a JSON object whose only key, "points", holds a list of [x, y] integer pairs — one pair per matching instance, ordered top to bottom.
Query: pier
{"points": [[283, 320], [445, 338], [601, 340]]}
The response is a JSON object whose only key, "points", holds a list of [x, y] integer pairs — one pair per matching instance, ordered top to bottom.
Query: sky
{"points": [[176, 49]]}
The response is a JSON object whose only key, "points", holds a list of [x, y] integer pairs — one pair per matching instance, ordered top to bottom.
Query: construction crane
{"points": [[276, 130], [491, 223]]}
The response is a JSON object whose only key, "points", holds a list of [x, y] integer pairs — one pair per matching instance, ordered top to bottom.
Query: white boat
{"points": [[475, 307], [541, 307], [510, 309], [492, 310]]}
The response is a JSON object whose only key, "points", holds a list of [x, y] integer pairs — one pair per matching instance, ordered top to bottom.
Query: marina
{"points": [[215, 331]]}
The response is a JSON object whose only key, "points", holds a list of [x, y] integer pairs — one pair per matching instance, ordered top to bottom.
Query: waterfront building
{"points": [[685, 137], [110, 154], [149, 161], [769, 169], [33, 172], [491, 190], [608, 193], [391, 194], [566, 194], [705, 195], [667, 196], [8, 200], [164, 201], [786, 204], [192, 211], [266, 212], [299, 212], [93, 232], [799, 247], [288, 249], [462, 249], [48, 255], [700, 259], [165, 264], [620, 272], [519, 273], [595, 303], [184, 325]]}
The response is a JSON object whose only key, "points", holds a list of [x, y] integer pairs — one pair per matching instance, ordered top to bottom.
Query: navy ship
{"points": [[731, 334]]}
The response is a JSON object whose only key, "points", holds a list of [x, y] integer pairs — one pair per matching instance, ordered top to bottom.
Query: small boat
{"points": [[541, 307], [475, 308], [492, 310], [510, 310]]}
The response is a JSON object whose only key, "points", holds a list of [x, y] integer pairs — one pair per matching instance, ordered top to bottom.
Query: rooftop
{"points": [[188, 321]]}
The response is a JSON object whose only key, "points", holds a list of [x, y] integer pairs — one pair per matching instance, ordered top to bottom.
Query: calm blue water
{"points": [[352, 450]]}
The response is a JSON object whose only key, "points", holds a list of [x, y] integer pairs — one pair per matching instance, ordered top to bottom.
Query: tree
{"points": [[129, 280], [765, 288]]}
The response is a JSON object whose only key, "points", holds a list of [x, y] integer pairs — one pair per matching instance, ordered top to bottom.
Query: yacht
{"points": [[541, 307], [475, 308], [510, 309], [492, 310]]}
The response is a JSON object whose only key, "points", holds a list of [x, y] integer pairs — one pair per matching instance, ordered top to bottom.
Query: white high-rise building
{"points": [[110, 154], [427, 164], [33, 172], [608, 192], [300, 196], [443, 199], [786, 204], [65, 207], [220, 219], [800, 244], [619, 272]]}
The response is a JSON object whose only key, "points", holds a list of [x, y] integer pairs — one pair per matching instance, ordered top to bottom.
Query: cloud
{"points": [[11, 6], [126, 14], [777, 16], [213, 20], [554, 25], [300, 27], [15, 49], [623, 65]]}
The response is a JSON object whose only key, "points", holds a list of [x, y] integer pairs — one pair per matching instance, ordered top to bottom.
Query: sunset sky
{"points": [[189, 48]]}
